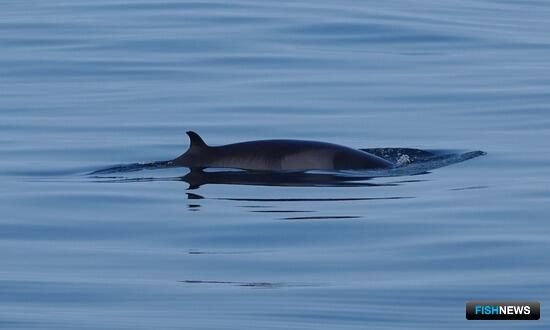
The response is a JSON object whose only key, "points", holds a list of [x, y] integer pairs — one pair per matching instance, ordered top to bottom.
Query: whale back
{"points": [[275, 155]]}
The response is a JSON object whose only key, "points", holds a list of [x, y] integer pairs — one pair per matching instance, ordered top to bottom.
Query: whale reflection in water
{"points": [[198, 177]]}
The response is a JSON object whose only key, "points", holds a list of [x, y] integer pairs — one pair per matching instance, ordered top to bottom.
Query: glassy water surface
{"points": [[87, 85]]}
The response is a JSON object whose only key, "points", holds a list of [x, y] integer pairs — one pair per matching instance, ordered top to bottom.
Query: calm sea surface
{"points": [[87, 84]]}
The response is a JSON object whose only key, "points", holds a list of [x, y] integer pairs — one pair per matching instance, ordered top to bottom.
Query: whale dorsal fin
{"points": [[197, 143]]}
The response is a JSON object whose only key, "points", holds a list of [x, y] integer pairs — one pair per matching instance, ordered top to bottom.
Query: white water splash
{"points": [[403, 160]]}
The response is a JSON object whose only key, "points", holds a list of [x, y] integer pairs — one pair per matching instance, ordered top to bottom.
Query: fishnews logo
{"points": [[503, 310]]}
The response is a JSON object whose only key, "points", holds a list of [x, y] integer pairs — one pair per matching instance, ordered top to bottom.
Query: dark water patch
{"points": [[361, 31], [470, 188], [343, 199], [256, 206], [281, 211], [324, 217], [200, 252], [259, 285]]}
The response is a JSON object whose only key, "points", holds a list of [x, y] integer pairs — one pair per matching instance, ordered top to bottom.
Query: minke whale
{"points": [[277, 155]]}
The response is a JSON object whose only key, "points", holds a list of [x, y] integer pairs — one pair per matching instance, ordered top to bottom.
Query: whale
{"points": [[277, 155]]}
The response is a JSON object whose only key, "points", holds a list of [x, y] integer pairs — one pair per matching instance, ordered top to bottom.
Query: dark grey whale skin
{"points": [[277, 155]]}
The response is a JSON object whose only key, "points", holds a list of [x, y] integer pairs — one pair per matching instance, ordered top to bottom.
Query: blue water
{"points": [[86, 85]]}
